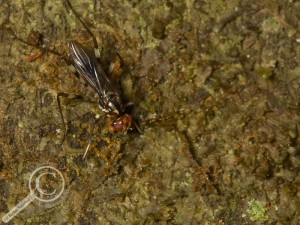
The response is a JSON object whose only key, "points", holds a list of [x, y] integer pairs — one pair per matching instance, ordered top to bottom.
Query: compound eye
{"points": [[123, 124], [118, 126]]}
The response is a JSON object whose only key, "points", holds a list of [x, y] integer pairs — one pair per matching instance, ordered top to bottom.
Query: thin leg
{"points": [[43, 48], [96, 48], [120, 61], [123, 63], [111, 68], [58, 98], [131, 104], [61, 113], [137, 127], [90, 138]]}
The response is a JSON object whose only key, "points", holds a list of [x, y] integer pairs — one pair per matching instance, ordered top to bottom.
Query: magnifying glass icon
{"points": [[37, 192]]}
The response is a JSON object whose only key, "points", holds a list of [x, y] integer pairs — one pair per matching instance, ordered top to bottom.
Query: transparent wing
{"points": [[86, 66]]}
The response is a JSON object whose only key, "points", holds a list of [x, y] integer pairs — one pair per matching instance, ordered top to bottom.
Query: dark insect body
{"points": [[88, 66], [109, 98]]}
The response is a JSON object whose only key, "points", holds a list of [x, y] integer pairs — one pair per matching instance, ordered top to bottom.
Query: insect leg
{"points": [[43, 48], [96, 48], [123, 62], [112, 64], [111, 68], [59, 95], [70, 96], [131, 105], [61, 113], [137, 127], [90, 138]]}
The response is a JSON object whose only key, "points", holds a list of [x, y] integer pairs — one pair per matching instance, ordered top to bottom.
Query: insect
{"points": [[88, 66]]}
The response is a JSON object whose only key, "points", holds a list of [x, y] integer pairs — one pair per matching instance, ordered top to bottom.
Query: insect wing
{"points": [[87, 67]]}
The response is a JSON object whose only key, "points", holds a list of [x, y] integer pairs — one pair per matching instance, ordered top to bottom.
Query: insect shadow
{"points": [[88, 68]]}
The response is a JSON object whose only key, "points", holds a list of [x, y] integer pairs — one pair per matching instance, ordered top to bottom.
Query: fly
{"points": [[88, 66]]}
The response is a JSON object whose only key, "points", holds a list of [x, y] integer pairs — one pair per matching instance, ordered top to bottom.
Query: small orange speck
{"points": [[33, 55]]}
